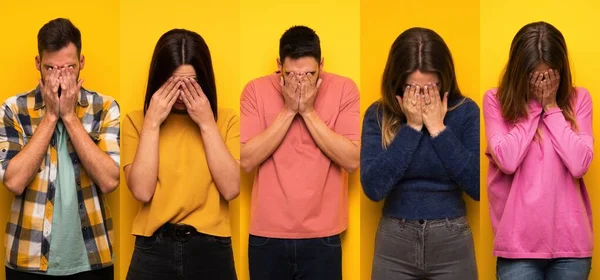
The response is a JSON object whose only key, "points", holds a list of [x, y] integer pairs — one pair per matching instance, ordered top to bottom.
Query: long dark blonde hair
{"points": [[535, 43], [415, 49]]}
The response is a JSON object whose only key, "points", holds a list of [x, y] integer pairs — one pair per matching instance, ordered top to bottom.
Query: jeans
{"points": [[425, 249], [179, 252], [295, 259], [543, 269], [106, 273]]}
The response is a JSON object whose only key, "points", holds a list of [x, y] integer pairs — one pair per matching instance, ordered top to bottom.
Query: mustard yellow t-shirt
{"points": [[185, 191]]}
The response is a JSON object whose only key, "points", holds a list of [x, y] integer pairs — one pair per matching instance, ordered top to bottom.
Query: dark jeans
{"points": [[424, 249], [179, 252], [295, 259], [540, 269], [106, 273]]}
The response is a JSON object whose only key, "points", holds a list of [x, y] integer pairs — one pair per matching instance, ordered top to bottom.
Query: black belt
{"points": [[179, 232]]}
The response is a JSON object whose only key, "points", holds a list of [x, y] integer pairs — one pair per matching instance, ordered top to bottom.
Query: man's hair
{"points": [[57, 34], [299, 41]]}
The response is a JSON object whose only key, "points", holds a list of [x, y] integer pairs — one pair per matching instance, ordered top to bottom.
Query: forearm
{"points": [[262, 146], [338, 148], [25, 165], [98, 165], [224, 169], [142, 174]]}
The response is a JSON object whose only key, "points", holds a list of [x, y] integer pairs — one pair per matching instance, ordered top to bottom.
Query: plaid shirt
{"points": [[28, 232]]}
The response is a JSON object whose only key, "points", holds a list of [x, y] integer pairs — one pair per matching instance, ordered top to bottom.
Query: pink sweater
{"points": [[539, 205]]}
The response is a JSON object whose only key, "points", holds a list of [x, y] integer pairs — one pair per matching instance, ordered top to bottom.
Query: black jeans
{"points": [[179, 252], [295, 259], [106, 273]]}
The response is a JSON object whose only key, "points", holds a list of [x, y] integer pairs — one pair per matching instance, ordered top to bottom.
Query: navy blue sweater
{"points": [[420, 177]]}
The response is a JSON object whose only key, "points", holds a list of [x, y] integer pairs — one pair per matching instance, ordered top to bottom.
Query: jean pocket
{"points": [[388, 224], [460, 225], [222, 241], [258, 241], [332, 241], [146, 242]]}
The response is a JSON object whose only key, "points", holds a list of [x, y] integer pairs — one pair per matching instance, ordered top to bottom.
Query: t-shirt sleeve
{"points": [[250, 119], [348, 122], [232, 139], [131, 140]]}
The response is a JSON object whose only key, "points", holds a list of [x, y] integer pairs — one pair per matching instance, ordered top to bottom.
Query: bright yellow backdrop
{"points": [[217, 21], [20, 22], [579, 22], [381, 23], [337, 24]]}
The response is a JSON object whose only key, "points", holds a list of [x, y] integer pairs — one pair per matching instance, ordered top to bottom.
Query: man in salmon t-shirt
{"points": [[300, 129]]}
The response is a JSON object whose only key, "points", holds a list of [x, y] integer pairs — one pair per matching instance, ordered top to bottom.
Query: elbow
{"points": [[246, 165], [352, 166], [507, 169], [579, 172], [109, 186], [14, 187], [231, 195], [372, 195], [141, 196]]}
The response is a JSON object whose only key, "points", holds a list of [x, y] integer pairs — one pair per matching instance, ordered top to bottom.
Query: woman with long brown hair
{"points": [[539, 145], [420, 152]]}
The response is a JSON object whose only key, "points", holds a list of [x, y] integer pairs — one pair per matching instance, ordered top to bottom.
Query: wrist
{"points": [[288, 112], [308, 113], [50, 118], [69, 118], [151, 124], [207, 126], [417, 127], [434, 132]]}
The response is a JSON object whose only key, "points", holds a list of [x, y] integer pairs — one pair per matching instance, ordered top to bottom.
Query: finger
{"points": [[538, 80], [548, 81], [164, 85], [172, 85], [198, 88], [173, 91], [187, 91], [427, 96], [174, 98], [186, 101], [419, 102], [445, 102]]}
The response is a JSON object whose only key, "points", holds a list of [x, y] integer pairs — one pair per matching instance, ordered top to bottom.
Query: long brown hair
{"points": [[535, 43], [415, 49]]}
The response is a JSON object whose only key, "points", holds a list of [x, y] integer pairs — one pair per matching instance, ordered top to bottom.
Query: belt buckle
{"points": [[182, 232]]}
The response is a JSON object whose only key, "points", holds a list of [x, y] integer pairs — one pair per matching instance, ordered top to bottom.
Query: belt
{"points": [[179, 232]]}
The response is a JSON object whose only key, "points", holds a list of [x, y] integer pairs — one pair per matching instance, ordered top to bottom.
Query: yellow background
{"points": [[579, 22], [381, 23], [142, 24], [337, 24], [99, 26]]}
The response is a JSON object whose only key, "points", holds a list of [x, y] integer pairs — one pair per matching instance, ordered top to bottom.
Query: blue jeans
{"points": [[295, 259], [543, 269]]}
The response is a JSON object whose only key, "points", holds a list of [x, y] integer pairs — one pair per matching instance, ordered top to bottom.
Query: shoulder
{"points": [[331, 79], [582, 96], [373, 111], [226, 114]]}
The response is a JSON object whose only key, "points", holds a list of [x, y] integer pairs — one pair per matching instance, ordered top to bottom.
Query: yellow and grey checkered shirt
{"points": [[29, 228]]}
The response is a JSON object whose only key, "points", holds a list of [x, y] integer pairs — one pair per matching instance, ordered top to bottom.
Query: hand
{"points": [[49, 88], [70, 88], [549, 89], [290, 90], [308, 93], [162, 101], [197, 104], [412, 107], [434, 109]]}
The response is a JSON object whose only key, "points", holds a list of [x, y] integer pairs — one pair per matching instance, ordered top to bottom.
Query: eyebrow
{"points": [[51, 66]]}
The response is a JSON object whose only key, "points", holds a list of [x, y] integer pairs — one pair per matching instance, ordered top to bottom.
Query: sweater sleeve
{"points": [[508, 146], [574, 148], [460, 153], [382, 169]]}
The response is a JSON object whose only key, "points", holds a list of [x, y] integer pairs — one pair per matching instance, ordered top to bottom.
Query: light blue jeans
{"points": [[543, 269]]}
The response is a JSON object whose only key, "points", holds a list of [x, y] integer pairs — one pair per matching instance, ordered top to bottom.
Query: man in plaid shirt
{"points": [[59, 155]]}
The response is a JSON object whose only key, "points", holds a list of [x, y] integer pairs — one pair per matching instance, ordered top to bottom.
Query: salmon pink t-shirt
{"points": [[298, 191]]}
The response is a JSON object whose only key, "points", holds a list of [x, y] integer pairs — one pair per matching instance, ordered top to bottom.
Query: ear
{"points": [[81, 62], [38, 63], [321, 64], [279, 65]]}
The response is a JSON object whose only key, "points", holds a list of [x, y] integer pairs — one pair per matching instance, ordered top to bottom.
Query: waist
{"points": [[424, 205], [180, 232]]}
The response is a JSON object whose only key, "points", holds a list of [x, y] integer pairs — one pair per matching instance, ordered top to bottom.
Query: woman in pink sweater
{"points": [[539, 144]]}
